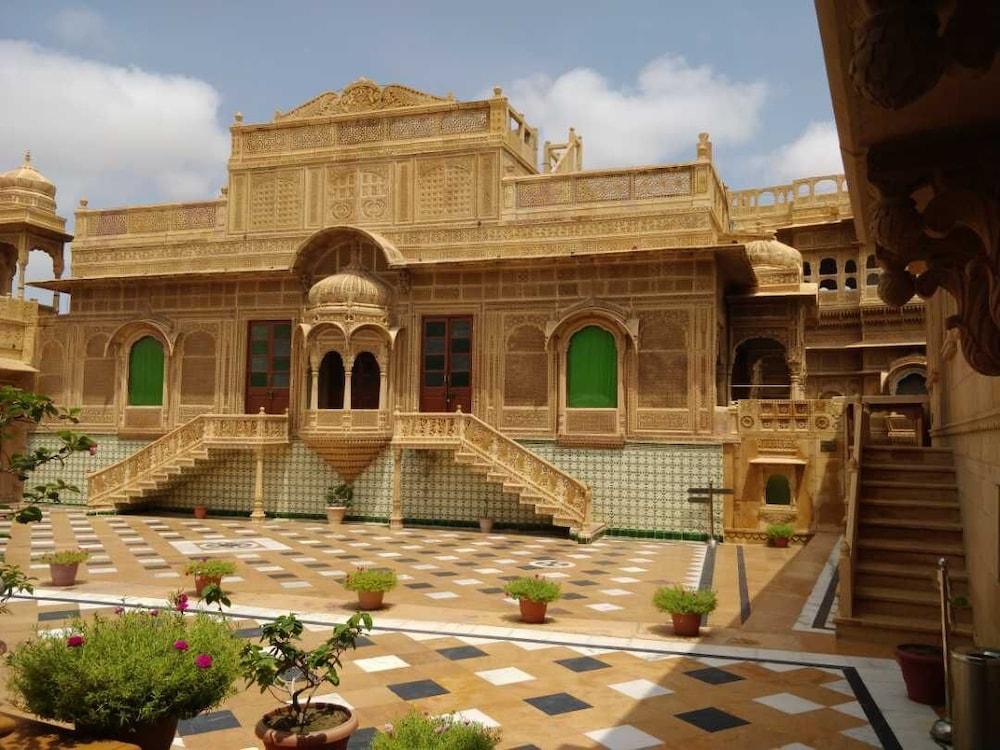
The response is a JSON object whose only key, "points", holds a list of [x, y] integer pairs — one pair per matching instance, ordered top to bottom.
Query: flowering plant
{"points": [[65, 557], [205, 568], [371, 579], [535, 589], [270, 665], [115, 673], [436, 733]]}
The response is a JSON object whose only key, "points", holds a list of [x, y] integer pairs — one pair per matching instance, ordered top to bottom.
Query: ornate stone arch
{"points": [[325, 241], [596, 312], [128, 333], [901, 368]]}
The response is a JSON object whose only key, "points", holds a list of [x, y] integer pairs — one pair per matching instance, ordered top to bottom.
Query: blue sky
{"points": [[128, 102]]}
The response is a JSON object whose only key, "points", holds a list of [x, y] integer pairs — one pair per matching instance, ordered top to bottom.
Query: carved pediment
{"points": [[361, 96]]}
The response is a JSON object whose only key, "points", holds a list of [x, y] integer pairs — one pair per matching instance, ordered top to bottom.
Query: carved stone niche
{"points": [[939, 209]]}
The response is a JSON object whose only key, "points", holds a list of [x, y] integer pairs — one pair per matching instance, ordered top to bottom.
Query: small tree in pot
{"points": [[338, 500], [486, 520], [779, 534], [64, 564], [209, 572], [371, 584], [533, 594], [685, 607], [302, 723]]}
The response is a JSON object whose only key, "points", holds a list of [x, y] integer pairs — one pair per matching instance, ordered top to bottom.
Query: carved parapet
{"points": [[802, 201], [159, 219], [954, 239]]}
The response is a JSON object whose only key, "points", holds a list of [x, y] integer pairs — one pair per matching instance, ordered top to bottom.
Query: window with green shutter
{"points": [[592, 370], [145, 373]]}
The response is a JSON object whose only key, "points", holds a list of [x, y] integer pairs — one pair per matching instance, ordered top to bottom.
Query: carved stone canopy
{"points": [[361, 96], [26, 185], [937, 225], [774, 262], [352, 286]]}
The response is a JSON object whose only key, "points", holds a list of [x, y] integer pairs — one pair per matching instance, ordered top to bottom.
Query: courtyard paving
{"points": [[603, 672]]}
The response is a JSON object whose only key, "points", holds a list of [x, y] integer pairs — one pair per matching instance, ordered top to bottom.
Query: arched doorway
{"points": [[592, 369], [760, 370], [145, 373], [331, 382], [365, 382], [912, 384]]}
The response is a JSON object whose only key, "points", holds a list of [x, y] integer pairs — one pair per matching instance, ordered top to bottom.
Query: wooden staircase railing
{"points": [[854, 431], [166, 456], [550, 489]]}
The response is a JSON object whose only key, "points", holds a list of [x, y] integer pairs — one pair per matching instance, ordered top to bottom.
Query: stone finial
{"points": [[497, 91], [238, 117], [704, 150], [27, 157], [83, 202]]}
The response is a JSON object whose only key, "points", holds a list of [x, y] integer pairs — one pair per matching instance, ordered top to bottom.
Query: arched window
{"points": [[870, 262], [827, 265], [850, 266], [872, 279], [850, 283], [828, 285], [592, 370], [760, 370], [145, 373], [365, 381], [331, 382], [914, 384], [778, 491]]}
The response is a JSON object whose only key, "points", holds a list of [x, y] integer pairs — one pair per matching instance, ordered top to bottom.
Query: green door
{"points": [[145, 373]]}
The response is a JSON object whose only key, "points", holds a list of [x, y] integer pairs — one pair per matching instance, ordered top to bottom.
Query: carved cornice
{"points": [[903, 47], [361, 96], [955, 237]]}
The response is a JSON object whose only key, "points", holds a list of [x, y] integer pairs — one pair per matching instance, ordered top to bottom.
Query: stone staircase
{"points": [[178, 455], [524, 475], [908, 517]]}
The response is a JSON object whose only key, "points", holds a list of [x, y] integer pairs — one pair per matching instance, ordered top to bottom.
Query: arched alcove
{"points": [[760, 370], [331, 381], [365, 382], [778, 490]]}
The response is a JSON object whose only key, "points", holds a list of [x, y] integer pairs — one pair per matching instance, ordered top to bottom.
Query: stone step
{"points": [[908, 454], [901, 473], [884, 489], [929, 510], [918, 524], [915, 533], [904, 552], [919, 604], [895, 629]]}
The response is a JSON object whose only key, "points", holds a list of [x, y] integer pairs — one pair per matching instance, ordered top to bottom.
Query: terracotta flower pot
{"points": [[200, 511], [335, 514], [486, 525], [778, 541], [63, 575], [200, 582], [368, 600], [532, 612], [686, 624], [923, 672], [158, 735], [335, 738]]}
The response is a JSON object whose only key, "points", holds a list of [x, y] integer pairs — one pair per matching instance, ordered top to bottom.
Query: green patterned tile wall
{"points": [[110, 449], [639, 487]]}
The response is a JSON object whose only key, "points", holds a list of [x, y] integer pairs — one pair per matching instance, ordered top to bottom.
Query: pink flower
{"points": [[181, 602], [119, 610], [154, 612], [74, 641], [183, 646], [203, 661]]}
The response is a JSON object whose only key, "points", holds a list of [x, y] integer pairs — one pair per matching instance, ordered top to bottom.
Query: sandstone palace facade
{"points": [[412, 294]]}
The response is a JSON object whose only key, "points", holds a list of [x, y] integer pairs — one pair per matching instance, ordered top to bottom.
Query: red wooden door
{"points": [[446, 364], [269, 365]]}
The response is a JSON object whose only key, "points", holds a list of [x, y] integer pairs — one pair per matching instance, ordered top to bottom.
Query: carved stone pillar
{"points": [[348, 367], [796, 379], [314, 389], [258, 515], [396, 515]]}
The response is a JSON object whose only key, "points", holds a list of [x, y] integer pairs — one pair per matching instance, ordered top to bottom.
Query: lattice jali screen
{"points": [[446, 188], [663, 361], [525, 368], [198, 369], [98, 373], [52, 382]]}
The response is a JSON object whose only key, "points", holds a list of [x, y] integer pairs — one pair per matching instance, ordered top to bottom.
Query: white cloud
{"points": [[81, 27], [656, 120], [113, 134], [816, 151]]}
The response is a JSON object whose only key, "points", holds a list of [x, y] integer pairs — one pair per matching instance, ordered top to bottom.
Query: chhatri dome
{"points": [[27, 186], [775, 262], [352, 286]]}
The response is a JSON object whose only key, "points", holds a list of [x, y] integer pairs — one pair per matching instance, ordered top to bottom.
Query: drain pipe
{"points": [[941, 729]]}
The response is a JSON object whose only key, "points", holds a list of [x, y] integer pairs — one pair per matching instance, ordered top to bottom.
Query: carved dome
{"points": [[26, 185], [775, 262], [352, 286]]}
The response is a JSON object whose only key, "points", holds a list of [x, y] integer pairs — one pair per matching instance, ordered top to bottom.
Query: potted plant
{"points": [[338, 500], [201, 511], [486, 520], [778, 534], [64, 564], [209, 572], [371, 585], [533, 594], [685, 607], [923, 672], [130, 677], [321, 726], [417, 730]]}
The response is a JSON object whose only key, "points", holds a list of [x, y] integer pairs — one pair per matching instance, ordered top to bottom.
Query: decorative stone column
{"points": [[348, 367], [314, 389], [258, 515], [396, 515]]}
